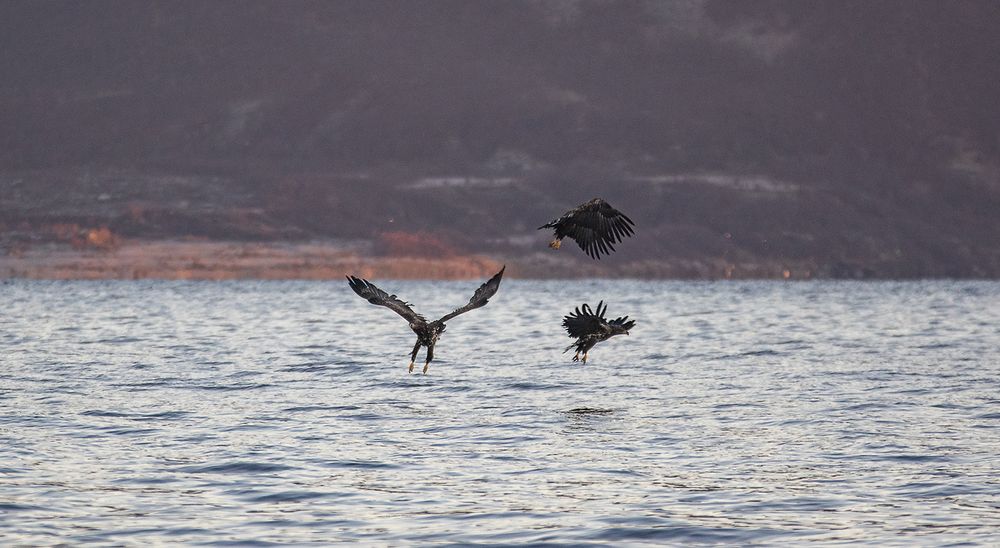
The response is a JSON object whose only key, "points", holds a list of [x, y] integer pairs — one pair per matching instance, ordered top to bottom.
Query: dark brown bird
{"points": [[595, 226], [589, 328], [427, 332]]}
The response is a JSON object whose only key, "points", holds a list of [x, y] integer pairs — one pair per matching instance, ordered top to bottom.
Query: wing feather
{"points": [[370, 292], [480, 297], [583, 321], [623, 322]]}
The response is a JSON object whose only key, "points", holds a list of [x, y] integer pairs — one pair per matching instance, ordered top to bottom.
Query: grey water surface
{"points": [[251, 413]]}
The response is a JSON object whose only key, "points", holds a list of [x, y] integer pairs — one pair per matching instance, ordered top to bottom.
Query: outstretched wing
{"points": [[596, 227], [368, 291], [480, 297], [583, 321], [622, 322]]}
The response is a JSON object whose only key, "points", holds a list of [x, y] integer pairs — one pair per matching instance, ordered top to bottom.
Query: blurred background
{"points": [[772, 138]]}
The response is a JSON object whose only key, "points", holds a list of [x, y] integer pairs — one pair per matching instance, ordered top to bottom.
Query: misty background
{"points": [[745, 138]]}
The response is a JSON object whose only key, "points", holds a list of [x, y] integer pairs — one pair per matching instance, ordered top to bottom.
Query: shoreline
{"points": [[183, 260], [235, 260]]}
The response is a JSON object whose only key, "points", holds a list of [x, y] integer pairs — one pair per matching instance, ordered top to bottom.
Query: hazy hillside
{"points": [[839, 138]]}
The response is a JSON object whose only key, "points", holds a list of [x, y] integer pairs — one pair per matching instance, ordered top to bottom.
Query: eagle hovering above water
{"points": [[595, 225], [590, 327], [427, 332]]}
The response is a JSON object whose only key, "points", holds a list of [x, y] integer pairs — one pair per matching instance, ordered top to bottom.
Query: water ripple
{"points": [[239, 467]]}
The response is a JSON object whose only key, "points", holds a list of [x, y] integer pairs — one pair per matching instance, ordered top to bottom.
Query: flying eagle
{"points": [[595, 225], [590, 328], [427, 332]]}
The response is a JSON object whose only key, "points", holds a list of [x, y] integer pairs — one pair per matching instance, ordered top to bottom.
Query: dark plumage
{"points": [[595, 226], [589, 328], [427, 332]]}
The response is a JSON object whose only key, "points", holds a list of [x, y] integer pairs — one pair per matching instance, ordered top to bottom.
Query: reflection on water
{"points": [[259, 412]]}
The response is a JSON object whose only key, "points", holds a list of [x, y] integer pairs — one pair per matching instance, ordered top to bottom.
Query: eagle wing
{"points": [[596, 227], [368, 291], [480, 297], [583, 321], [622, 322]]}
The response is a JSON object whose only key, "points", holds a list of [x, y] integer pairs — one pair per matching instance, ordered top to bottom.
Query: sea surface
{"points": [[258, 413]]}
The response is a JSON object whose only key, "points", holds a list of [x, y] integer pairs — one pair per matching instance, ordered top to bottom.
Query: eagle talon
{"points": [[555, 244], [411, 368]]}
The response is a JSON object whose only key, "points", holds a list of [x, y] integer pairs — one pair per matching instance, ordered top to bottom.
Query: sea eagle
{"points": [[595, 225], [590, 328], [427, 332]]}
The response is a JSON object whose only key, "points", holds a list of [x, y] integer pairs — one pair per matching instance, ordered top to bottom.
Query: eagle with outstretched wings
{"points": [[590, 327], [427, 332]]}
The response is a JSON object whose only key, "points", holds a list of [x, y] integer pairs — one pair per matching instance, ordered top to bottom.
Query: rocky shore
{"points": [[208, 260]]}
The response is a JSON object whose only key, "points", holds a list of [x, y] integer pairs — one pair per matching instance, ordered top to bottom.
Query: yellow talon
{"points": [[555, 244], [426, 365], [411, 367]]}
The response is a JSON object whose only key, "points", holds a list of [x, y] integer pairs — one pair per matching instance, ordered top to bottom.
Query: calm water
{"points": [[281, 412]]}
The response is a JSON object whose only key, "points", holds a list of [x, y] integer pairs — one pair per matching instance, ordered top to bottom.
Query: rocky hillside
{"points": [[837, 139]]}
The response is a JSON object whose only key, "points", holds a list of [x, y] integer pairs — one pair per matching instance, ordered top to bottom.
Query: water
{"points": [[281, 412]]}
